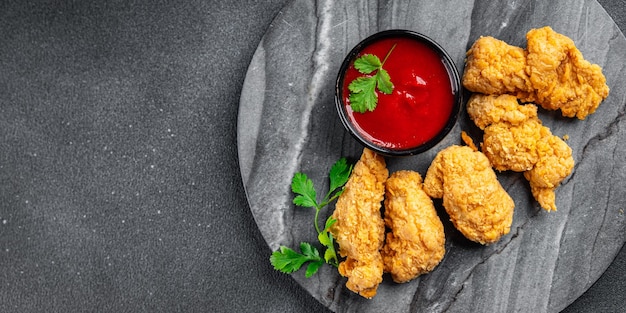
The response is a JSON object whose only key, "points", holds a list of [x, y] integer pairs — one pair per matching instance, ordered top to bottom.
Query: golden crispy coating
{"points": [[495, 67], [551, 72], [561, 77], [485, 110], [511, 131], [523, 145], [512, 147], [554, 164], [545, 196], [477, 204], [360, 229], [416, 243]]}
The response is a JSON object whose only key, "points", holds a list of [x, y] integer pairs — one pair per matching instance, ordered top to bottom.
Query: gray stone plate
{"points": [[288, 123]]}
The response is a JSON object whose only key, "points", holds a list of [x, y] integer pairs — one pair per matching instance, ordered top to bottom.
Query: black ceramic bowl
{"points": [[444, 108]]}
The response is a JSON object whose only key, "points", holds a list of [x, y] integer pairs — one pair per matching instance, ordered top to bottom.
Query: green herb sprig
{"points": [[363, 96], [288, 260]]}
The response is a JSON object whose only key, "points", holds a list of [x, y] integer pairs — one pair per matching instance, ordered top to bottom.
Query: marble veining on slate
{"points": [[288, 123]]}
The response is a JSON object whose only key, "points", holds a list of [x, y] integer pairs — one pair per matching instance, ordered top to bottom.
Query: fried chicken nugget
{"points": [[495, 67], [550, 72], [561, 77], [484, 110], [511, 131], [512, 142], [512, 147], [554, 164], [477, 204], [360, 228], [416, 243]]}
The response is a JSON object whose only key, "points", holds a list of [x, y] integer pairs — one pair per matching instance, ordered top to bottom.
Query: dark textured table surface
{"points": [[120, 188]]}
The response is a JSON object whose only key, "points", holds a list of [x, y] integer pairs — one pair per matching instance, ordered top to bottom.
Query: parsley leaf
{"points": [[367, 63], [383, 81], [363, 96], [339, 174], [302, 186], [327, 240], [308, 250], [288, 260], [312, 268]]}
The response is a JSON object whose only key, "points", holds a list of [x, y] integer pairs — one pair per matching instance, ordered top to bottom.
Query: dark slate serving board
{"points": [[288, 123]]}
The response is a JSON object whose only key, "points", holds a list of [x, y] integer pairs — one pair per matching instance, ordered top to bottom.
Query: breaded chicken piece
{"points": [[495, 67], [550, 72], [561, 77], [485, 110], [511, 131], [522, 144], [512, 147], [554, 164], [477, 204], [360, 229], [416, 243]]}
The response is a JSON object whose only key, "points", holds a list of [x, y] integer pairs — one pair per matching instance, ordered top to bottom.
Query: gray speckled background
{"points": [[288, 123], [120, 185]]}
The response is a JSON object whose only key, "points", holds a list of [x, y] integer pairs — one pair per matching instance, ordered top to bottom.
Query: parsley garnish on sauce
{"points": [[363, 96], [288, 260]]}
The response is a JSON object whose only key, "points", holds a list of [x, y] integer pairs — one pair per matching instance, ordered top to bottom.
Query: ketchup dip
{"points": [[425, 101]]}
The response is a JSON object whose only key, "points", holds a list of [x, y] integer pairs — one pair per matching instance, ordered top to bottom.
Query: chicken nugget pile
{"points": [[550, 72], [514, 139], [415, 244]]}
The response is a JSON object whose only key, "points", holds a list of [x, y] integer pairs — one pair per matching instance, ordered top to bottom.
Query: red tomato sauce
{"points": [[420, 104]]}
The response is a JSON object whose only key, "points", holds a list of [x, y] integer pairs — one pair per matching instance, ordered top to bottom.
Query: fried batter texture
{"points": [[493, 66], [550, 72], [561, 77], [511, 131], [515, 139], [555, 164], [477, 204], [360, 228], [416, 243]]}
